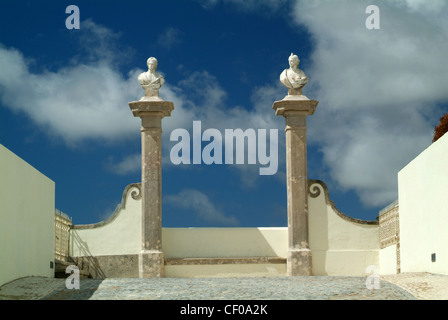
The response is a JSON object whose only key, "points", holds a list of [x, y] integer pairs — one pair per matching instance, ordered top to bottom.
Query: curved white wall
{"points": [[118, 235], [340, 245]]}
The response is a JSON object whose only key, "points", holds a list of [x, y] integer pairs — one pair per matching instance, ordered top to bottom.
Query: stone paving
{"points": [[423, 286], [269, 288]]}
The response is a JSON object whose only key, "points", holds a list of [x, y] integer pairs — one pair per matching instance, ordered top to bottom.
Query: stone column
{"points": [[295, 108], [151, 112]]}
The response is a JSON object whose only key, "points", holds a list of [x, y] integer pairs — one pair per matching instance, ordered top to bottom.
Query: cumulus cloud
{"points": [[421, 5], [99, 43], [378, 89], [80, 101], [129, 164], [200, 204]]}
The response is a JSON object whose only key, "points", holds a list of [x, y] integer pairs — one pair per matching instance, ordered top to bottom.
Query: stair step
{"points": [[232, 260], [61, 266]]}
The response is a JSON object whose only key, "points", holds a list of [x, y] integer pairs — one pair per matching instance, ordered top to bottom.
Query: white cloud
{"points": [[421, 5], [169, 38], [99, 43], [377, 88], [77, 102], [129, 164], [202, 206]]}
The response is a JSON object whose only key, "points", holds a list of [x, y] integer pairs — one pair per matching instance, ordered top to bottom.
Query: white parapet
{"points": [[341, 245]]}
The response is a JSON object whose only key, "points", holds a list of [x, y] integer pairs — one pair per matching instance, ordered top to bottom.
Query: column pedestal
{"points": [[295, 109], [151, 111], [151, 264]]}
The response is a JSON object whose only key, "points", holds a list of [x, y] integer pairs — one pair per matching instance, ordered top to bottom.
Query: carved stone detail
{"points": [[316, 193], [136, 195]]}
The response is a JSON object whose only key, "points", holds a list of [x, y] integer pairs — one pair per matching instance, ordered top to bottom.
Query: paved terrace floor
{"points": [[421, 286]]}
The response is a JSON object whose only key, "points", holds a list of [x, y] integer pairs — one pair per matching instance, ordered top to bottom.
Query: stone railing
{"points": [[388, 219], [62, 224], [389, 225]]}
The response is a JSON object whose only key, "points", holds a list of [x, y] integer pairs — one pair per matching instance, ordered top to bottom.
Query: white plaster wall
{"points": [[423, 198], [27, 200], [118, 237], [224, 242], [339, 246], [388, 260]]}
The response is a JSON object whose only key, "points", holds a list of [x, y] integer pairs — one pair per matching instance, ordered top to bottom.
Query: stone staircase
{"points": [[212, 261], [225, 266]]}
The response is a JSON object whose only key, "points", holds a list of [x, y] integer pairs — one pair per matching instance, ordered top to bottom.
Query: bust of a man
{"points": [[293, 78], [151, 81]]}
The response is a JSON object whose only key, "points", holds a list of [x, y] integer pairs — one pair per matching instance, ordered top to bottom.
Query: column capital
{"points": [[297, 106], [154, 108]]}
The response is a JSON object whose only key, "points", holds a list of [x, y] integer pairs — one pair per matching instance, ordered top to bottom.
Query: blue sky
{"points": [[64, 98]]}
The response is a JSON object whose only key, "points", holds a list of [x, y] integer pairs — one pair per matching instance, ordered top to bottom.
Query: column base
{"points": [[298, 262], [151, 264]]}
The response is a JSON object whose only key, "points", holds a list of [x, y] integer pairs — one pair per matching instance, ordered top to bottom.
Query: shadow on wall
{"points": [[86, 261], [85, 291]]}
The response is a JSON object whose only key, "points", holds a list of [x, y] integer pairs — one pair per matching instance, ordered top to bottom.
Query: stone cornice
{"points": [[300, 106], [151, 108], [315, 192]]}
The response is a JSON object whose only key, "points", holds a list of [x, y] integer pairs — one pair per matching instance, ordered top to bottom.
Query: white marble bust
{"points": [[293, 78], [151, 81]]}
